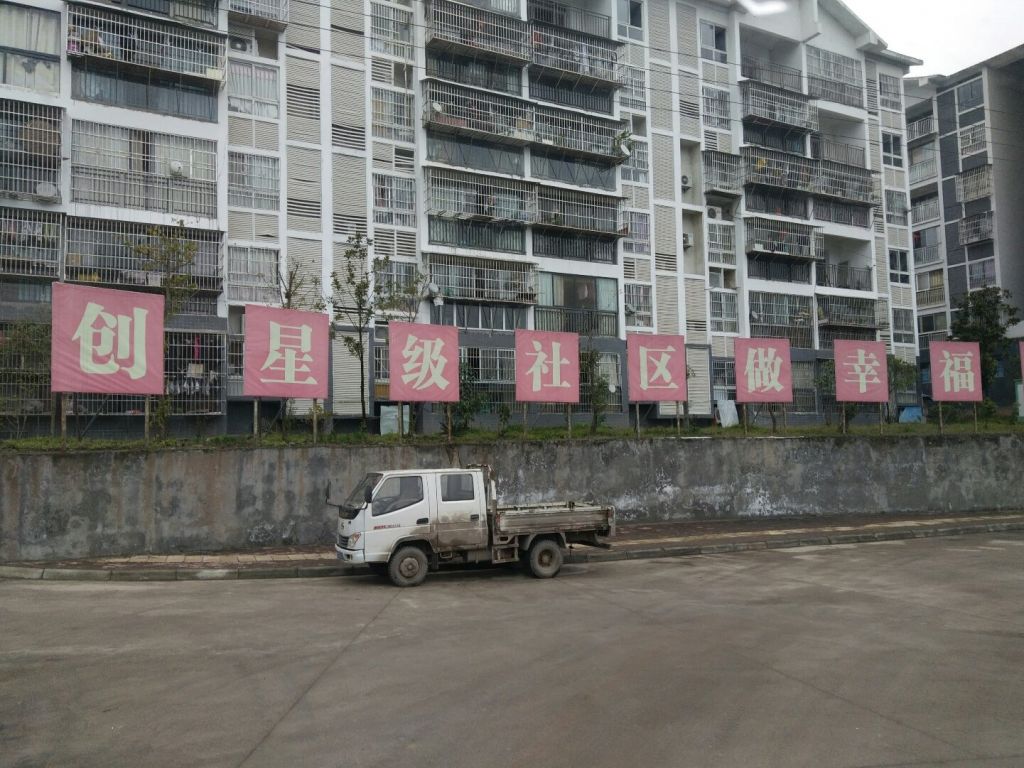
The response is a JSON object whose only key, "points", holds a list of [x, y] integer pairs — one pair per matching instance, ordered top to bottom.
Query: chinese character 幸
{"points": [[862, 369]]}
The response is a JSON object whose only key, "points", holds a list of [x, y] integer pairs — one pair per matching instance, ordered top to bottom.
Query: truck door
{"points": [[400, 508], [461, 511]]}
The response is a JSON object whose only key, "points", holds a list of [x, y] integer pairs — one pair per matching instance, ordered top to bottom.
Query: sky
{"points": [[947, 34]]}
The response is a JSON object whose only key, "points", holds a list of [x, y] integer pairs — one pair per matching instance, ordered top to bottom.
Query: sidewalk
{"points": [[633, 541]]}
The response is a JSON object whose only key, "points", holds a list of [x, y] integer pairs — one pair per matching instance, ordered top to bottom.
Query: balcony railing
{"points": [[269, 13], [569, 17], [472, 30], [144, 44], [572, 52], [770, 73], [836, 91], [775, 105], [467, 111], [920, 128], [578, 133], [30, 151], [837, 152], [779, 169], [923, 171], [722, 173], [845, 182], [974, 184], [147, 191], [456, 195], [567, 209], [926, 211], [841, 213], [976, 228], [768, 236], [30, 242], [570, 245], [927, 254], [779, 270], [843, 276], [472, 279], [932, 296], [847, 311], [585, 322]]}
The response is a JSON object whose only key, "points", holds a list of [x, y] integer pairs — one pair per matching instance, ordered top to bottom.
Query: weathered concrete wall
{"points": [[84, 504]]}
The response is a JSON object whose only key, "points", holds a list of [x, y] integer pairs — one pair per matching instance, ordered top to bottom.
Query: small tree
{"points": [[301, 291], [984, 316], [24, 373], [902, 378], [825, 382], [596, 386], [471, 401]]}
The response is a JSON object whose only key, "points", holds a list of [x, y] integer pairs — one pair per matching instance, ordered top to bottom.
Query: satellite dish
{"points": [[436, 106], [624, 150], [177, 168], [433, 289]]}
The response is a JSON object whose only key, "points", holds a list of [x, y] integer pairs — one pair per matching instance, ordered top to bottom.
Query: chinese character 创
{"points": [[106, 342]]}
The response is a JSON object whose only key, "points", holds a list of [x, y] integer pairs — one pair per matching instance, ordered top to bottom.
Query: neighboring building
{"points": [[598, 167], [966, 186]]}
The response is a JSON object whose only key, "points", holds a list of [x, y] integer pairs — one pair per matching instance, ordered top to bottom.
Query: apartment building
{"points": [[965, 152], [599, 167]]}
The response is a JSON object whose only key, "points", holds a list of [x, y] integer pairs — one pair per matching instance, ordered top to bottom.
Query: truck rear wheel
{"points": [[545, 559], [408, 567]]}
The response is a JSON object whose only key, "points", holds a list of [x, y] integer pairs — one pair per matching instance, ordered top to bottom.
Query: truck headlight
{"points": [[353, 540]]}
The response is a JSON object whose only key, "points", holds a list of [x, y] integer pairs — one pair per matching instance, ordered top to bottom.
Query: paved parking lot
{"points": [[906, 653]]}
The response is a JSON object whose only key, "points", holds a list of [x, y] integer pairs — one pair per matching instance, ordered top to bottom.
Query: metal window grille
{"points": [[268, 10], [569, 17], [464, 27], [391, 31], [135, 40], [567, 51], [770, 73], [492, 75], [834, 77], [253, 89], [634, 90], [890, 93], [591, 99], [777, 106], [451, 107], [716, 108], [392, 115], [920, 128], [581, 133], [972, 140], [30, 148], [465, 152], [838, 152], [636, 167], [128, 168], [779, 169], [923, 170], [722, 172], [253, 181], [845, 182], [974, 184], [454, 194], [394, 200], [776, 202], [896, 207], [577, 210], [925, 210], [842, 213], [975, 228], [638, 232], [477, 235], [779, 237], [30, 242], [722, 242], [571, 245], [112, 252], [926, 254], [779, 270], [253, 274], [981, 274], [844, 276], [397, 278], [466, 278], [930, 296], [638, 304], [846, 311], [724, 314], [474, 316], [781, 316], [586, 322], [903, 326], [827, 336], [381, 363], [608, 367], [24, 371], [194, 371], [493, 371], [723, 379]]}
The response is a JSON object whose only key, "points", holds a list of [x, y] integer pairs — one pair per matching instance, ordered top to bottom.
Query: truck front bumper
{"points": [[357, 556]]}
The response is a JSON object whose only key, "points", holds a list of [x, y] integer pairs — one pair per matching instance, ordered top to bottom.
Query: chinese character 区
{"points": [[107, 342], [289, 353], [659, 358], [424, 364], [542, 364], [863, 368], [763, 369], [956, 371]]}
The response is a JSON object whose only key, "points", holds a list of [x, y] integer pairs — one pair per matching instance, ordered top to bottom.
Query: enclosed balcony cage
{"points": [[259, 13], [569, 17], [470, 30], [146, 44], [566, 51], [770, 73], [834, 77], [777, 106], [466, 111], [920, 128], [582, 134], [823, 148], [30, 151], [779, 169], [722, 173], [845, 182], [974, 184], [458, 195], [568, 209], [838, 212], [976, 228], [768, 236], [30, 242], [722, 242], [574, 246], [253, 274], [844, 276], [473, 279], [846, 311], [782, 316]]}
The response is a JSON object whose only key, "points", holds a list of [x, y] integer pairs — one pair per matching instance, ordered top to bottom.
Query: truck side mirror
{"points": [[368, 495]]}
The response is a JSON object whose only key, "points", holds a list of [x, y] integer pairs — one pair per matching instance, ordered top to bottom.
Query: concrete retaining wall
{"points": [[105, 503]]}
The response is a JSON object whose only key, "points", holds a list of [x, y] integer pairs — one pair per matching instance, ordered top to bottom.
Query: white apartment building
{"points": [[599, 167]]}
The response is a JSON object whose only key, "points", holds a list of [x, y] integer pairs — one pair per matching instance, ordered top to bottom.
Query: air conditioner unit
{"points": [[241, 44], [178, 169], [685, 181], [46, 190], [715, 212], [687, 241]]}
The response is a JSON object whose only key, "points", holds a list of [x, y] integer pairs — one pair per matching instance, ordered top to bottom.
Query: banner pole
{"points": [[65, 399], [316, 404], [637, 406], [526, 408], [785, 414], [256, 417], [568, 417], [842, 418], [940, 418], [975, 418], [677, 419], [881, 420], [145, 421], [746, 430]]}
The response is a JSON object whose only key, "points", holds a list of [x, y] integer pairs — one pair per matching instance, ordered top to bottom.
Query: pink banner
{"points": [[107, 341], [286, 353], [424, 363], [547, 367], [657, 368], [956, 371], [764, 372], [862, 372]]}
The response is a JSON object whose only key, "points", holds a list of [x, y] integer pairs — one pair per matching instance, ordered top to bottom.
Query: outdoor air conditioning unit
{"points": [[241, 44], [685, 181], [46, 190], [715, 212], [687, 240]]}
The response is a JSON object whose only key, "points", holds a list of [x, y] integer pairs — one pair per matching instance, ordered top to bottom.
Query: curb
{"points": [[16, 572]]}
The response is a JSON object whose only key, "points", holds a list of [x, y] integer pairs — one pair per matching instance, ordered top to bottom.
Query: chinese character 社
{"points": [[106, 342], [289, 353], [659, 358], [424, 364], [542, 364], [863, 368], [762, 370], [957, 374]]}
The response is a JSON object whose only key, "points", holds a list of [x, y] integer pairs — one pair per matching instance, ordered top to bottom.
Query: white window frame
{"points": [[709, 45], [263, 102], [892, 149], [899, 266]]}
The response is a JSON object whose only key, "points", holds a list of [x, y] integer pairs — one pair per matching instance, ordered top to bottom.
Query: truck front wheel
{"points": [[545, 559], [408, 567]]}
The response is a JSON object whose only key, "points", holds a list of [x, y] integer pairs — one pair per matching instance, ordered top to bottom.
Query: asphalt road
{"points": [[907, 653]]}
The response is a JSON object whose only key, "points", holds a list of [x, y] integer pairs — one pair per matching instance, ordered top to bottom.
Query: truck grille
{"points": [[343, 541]]}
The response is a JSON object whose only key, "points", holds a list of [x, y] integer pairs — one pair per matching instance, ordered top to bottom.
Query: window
{"points": [[631, 19], [390, 31], [712, 42], [30, 48], [253, 89], [634, 89], [889, 92], [166, 95], [970, 95], [716, 108], [392, 115], [892, 150], [470, 153], [636, 166], [573, 170], [253, 181], [394, 200], [895, 207], [638, 225], [899, 267], [253, 274], [981, 274], [399, 278], [637, 303], [482, 317], [724, 317], [932, 323], [903, 326], [457, 487], [397, 493]]}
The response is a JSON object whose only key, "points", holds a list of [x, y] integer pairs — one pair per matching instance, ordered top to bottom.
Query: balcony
{"points": [[259, 13], [569, 17], [468, 30], [144, 45], [566, 52], [770, 73], [837, 91], [763, 103], [465, 111], [920, 128], [580, 134], [30, 151], [838, 152], [779, 169], [923, 171], [722, 173], [844, 182], [974, 184], [457, 195], [568, 209], [924, 211], [841, 213], [974, 229], [780, 238], [30, 242], [570, 245], [927, 254], [779, 270], [844, 276], [486, 280], [932, 297], [846, 311], [781, 316], [585, 322]]}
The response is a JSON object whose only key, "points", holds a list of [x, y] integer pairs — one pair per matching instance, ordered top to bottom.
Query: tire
{"points": [[545, 559], [407, 567]]}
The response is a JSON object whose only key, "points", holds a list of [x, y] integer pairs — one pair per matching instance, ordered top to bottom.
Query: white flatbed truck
{"points": [[406, 522]]}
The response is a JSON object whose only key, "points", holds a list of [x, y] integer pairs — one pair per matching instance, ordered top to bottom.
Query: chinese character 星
{"points": [[107, 342], [289, 353], [658, 358], [424, 364], [542, 364], [863, 368], [763, 370], [957, 374]]}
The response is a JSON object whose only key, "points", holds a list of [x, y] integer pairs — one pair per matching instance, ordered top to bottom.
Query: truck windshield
{"points": [[357, 498]]}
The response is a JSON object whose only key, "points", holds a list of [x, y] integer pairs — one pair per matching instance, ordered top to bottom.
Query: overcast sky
{"points": [[947, 34]]}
